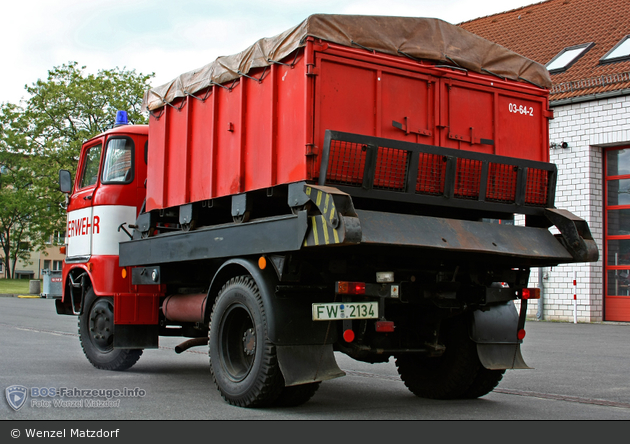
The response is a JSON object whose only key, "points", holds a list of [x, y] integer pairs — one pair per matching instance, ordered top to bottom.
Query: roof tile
{"points": [[541, 30]]}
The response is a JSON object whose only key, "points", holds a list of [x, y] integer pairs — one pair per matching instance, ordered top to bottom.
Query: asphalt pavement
{"points": [[580, 373]]}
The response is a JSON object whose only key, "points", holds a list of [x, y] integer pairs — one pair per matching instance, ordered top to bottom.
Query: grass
{"points": [[14, 286]]}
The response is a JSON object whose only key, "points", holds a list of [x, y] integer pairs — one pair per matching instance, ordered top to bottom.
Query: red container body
{"points": [[268, 129]]}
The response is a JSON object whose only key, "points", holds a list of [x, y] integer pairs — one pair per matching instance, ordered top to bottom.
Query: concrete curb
{"points": [[18, 295]]}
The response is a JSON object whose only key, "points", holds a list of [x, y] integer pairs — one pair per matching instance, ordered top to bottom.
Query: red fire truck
{"points": [[330, 189]]}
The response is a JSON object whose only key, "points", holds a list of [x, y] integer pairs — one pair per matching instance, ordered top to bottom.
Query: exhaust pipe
{"points": [[194, 342]]}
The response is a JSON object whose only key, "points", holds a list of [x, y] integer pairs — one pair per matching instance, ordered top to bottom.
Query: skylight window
{"points": [[621, 51], [567, 57]]}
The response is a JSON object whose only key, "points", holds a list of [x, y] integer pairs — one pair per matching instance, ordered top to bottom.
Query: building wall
{"points": [[588, 128], [37, 262]]}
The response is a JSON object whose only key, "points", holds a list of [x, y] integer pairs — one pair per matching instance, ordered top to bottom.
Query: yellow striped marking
{"points": [[328, 211], [314, 223], [325, 230]]}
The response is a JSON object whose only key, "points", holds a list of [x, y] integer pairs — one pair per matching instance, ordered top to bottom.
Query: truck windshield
{"points": [[90, 166], [118, 167]]}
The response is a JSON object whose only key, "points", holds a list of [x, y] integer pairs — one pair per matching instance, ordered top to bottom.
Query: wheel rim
{"points": [[102, 325], [237, 342]]}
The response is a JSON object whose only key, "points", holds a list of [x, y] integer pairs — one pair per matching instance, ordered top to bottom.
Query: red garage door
{"points": [[617, 237]]}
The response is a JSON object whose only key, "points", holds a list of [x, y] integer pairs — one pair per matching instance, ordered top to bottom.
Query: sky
{"points": [[170, 37]]}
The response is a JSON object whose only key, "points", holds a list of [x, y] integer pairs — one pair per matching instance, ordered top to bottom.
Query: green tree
{"points": [[72, 106], [45, 133], [18, 201]]}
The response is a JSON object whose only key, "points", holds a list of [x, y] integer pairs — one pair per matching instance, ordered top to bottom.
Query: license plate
{"points": [[345, 310]]}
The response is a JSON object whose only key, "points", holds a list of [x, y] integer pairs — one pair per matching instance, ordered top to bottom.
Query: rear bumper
{"points": [[525, 245]]}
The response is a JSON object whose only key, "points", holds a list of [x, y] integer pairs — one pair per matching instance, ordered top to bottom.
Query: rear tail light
{"points": [[350, 287], [529, 293]]}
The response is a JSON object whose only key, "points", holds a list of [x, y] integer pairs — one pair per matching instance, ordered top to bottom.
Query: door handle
{"points": [[88, 197]]}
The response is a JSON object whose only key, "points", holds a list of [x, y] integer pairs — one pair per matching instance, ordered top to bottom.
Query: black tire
{"points": [[96, 333], [243, 361], [457, 374], [485, 381], [296, 394]]}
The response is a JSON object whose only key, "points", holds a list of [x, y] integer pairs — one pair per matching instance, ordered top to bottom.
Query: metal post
{"points": [[574, 297], [540, 314]]}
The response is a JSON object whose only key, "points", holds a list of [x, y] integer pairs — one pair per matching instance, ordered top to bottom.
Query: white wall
{"points": [[587, 127]]}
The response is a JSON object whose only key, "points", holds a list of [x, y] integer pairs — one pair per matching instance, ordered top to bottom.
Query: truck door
{"points": [[105, 197], [115, 200], [79, 238]]}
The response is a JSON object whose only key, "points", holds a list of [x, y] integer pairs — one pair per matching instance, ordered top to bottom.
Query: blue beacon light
{"points": [[121, 118]]}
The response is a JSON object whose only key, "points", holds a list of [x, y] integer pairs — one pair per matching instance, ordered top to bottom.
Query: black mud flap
{"points": [[495, 331], [136, 336], [302, 364]]}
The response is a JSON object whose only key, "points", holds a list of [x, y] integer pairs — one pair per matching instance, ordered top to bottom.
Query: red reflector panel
{"points": [[346, 163], [391, 169], [431, 174], [468, 178], [501, 185], [537, 189], [350, 287], [530, 293], [385, 326], [521, 334], [348, 336]]}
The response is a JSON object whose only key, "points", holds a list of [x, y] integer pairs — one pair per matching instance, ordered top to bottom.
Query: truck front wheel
{"points": [[96, 333], [243, 361], [457, 374]]}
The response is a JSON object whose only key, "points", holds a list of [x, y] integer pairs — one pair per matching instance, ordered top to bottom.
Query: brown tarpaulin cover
{"points": [[421, 38]]}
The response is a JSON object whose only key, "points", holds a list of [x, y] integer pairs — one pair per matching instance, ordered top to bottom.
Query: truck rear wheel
{"points": [[96, 333], [243, 361], [457, 374], [485, 381], [296, 394]]}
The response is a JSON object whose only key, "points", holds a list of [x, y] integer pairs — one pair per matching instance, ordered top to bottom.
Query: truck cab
{"points": [[105, 198]]}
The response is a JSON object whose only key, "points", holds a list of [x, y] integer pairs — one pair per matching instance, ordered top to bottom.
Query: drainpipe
{"points": [[541, 302]]}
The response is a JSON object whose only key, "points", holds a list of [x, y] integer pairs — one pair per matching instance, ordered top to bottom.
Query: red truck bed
{"points": [[266, 125]]}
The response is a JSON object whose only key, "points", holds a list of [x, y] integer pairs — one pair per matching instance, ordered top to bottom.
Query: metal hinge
{"points": [[406, 128], [472, 139], [311, 149]]}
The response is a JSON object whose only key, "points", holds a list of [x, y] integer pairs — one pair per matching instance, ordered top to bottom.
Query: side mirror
{"points": [[65, 181]]}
